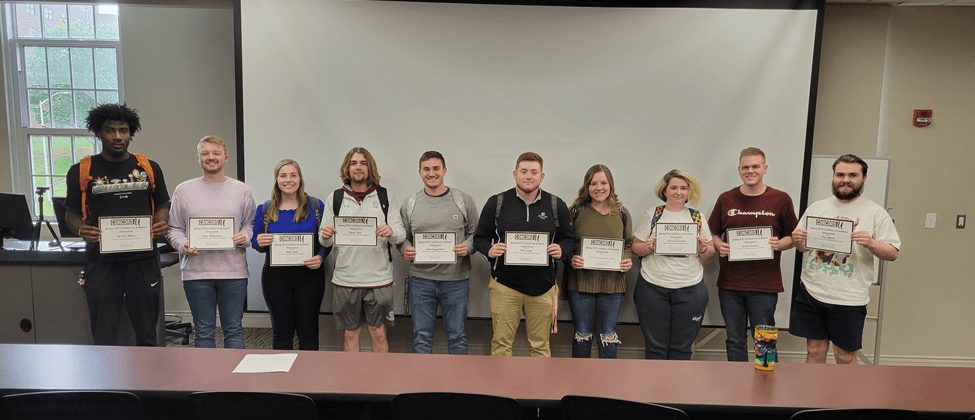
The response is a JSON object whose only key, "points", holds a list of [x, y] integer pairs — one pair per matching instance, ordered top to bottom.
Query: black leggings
{"points": [[294, 298]]}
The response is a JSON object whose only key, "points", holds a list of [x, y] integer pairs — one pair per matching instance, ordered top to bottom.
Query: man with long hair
{"points": [[363, 277]]}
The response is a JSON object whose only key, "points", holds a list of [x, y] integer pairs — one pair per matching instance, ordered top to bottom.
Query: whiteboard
{"points": [[642, 90], [875, 188]]}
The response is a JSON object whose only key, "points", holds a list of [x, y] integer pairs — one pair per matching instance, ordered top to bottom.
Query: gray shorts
{"points": [[352, 305]]}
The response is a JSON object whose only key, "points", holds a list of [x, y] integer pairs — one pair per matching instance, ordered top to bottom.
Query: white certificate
{"points": [[355, 231], [211, 232], [125, 234], [829, 234], [676, 239], [750, 243], [291, 248], [434, 248], [526, 248], [601, 254]]}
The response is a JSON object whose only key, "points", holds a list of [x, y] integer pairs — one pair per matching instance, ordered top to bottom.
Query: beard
{"points": [[854, 193]]}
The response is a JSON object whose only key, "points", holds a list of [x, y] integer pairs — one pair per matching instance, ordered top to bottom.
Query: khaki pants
{"points": [[506, 308]]}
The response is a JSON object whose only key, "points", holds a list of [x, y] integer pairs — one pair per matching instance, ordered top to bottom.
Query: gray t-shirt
{"points": [[441, 214]]}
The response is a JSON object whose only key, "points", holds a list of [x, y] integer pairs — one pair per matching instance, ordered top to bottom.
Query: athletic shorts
{"points": [[351, 306], [841, 324]]}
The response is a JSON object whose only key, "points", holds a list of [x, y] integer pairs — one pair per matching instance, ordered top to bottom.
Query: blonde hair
{"points": [[212, 140], [751, 151], [370, 161], [693, 187], [615, 205], [301, 212]]}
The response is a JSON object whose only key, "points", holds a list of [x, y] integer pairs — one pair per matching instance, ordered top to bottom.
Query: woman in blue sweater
{"points": [[293, 293]]}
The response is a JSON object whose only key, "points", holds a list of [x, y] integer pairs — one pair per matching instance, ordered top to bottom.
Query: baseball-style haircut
{"points": [[99, 115], [213, 140], [751, 151], [433, 154], [529, 157], [851, 158], [370, 161], [693, 187], [615, 205], [301, 212]]}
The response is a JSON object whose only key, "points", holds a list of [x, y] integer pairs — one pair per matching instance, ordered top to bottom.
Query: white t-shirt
{"points": [[669, 271], [844, 279]]}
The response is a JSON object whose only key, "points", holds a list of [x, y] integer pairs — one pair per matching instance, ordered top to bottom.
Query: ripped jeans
{"points": [[594, 315]]}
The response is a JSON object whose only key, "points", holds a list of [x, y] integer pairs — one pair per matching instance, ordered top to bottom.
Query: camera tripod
{"points": [[35, 237]]}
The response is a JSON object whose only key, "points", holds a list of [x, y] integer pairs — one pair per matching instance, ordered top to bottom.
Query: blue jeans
{"points": [[425, 295], [204, 296], [741, 310], [595, 312], [669, 318]]}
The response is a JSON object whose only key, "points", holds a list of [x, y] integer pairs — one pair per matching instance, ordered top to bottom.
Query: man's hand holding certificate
{"points": [[355, 231], [211, 233], [125, 234], [827, 234], [751, 243], [434, 248], [526, 248]]}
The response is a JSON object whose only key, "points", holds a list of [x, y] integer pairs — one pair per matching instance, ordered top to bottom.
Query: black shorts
{"points": [[841, 324]]}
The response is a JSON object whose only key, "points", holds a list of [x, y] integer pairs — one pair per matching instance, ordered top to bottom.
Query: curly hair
{"points": [[99, 115]]}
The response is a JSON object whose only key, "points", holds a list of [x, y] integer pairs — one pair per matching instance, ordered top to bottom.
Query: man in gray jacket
{"points": [[440, 221]]}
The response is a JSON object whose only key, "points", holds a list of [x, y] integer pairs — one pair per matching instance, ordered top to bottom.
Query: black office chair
{"points": [[71, 405], [449, 405], [251, 406], [575, 407], [855, 414]]}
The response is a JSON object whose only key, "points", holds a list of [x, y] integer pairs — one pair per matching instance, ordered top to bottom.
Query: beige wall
{"points": [[928, 61], [178, 68]]}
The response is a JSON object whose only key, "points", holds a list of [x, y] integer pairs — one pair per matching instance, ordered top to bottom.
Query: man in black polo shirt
{"points": [[117, 183], [529, 288]]}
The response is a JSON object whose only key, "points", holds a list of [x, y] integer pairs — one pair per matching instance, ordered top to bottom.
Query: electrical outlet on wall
{"points": [[930, 220], [960, 221]]}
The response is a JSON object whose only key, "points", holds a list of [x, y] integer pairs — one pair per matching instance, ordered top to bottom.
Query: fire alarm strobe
{"points": [[922, 117]]}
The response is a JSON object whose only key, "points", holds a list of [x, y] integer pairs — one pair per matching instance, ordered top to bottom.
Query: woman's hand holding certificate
{"points": [[601, 254]]}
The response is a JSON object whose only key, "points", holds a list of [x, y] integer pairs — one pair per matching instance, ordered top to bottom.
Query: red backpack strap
{"points": [[84, 178]]}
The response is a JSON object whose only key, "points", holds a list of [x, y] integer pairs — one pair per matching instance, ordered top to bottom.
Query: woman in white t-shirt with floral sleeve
{"points": [[670, 294]]}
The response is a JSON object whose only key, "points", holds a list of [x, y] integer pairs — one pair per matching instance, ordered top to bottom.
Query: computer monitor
{"points": [[59, 211], [15, 218]]}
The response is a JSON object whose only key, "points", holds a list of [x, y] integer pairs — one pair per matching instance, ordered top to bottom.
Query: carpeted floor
{"points": [[254, 338]]}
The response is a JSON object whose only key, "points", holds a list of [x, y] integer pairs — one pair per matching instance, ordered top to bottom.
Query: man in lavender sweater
{"points": [[216, 276]]}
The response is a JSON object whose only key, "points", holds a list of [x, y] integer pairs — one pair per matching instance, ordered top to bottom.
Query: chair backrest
{"points": [[73, 405], [449, 405], [252, 406], [574, 407], [855, 414]]}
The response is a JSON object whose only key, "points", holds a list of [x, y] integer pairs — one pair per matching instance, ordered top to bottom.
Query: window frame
{"points": [[17, 100]]}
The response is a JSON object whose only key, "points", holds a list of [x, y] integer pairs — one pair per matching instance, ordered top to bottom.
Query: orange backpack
{"points": [[84, 178]]}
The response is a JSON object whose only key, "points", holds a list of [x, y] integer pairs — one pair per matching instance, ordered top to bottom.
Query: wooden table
{"points": [[721, 386]]}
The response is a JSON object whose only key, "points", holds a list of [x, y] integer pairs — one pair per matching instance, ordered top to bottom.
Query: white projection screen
{"points": [[640, 89]]}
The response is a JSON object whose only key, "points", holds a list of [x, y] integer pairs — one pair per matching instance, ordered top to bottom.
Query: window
{"points": [[67, 61]]}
